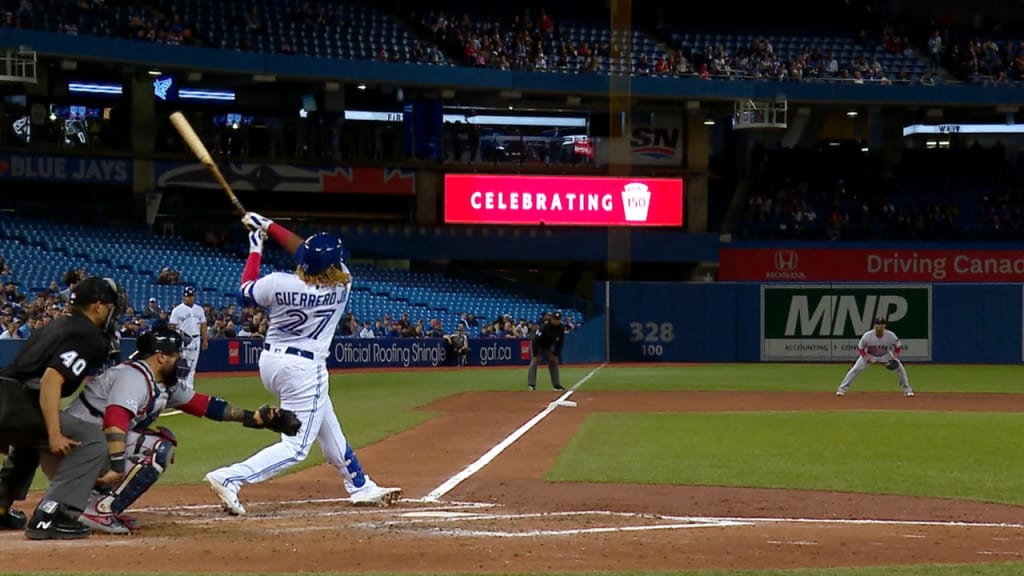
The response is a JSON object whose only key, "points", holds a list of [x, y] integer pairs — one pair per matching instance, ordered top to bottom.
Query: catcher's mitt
{"points": [[892, 364], [273, 418]]}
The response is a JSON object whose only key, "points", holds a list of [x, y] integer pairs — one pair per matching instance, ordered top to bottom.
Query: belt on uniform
{"points": [[293, 351]]}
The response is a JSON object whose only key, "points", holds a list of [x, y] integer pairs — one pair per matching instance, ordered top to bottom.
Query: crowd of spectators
{"points": [[94, 18], [531, 41], [907, 206], [20, 314]]}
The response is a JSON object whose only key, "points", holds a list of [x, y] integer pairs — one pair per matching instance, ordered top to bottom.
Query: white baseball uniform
{"points": [[189, 321], [875, 349], [293, 366]]}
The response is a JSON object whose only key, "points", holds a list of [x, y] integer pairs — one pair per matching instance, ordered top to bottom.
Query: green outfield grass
{"points": [[809, 377], [372, 406], [970, 456], [1004, 569]]}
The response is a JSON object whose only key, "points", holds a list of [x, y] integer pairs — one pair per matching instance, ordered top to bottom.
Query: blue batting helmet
{"points": [[318, 253]]}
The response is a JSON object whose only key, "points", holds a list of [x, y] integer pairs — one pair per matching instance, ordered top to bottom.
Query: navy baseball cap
{"points": [[94, 289], [190, 290], [880, 320]]}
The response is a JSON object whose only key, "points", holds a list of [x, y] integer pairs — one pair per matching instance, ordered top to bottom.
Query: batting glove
{"points": [[254, 221], [256, 238]]}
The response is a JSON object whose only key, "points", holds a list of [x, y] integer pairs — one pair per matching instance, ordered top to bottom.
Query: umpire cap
{"points": [[93, 289]]}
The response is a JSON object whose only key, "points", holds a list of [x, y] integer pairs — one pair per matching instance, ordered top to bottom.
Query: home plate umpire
{"points": [[51, 365]]}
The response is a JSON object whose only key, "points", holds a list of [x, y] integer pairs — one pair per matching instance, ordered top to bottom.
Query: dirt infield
{"points": [[505, 518]]}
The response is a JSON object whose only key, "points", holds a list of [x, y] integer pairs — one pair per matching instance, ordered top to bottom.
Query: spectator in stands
{"points": [[935, 50], [4, 268], [168, 277], [70, 278], [12, 295], [152, 309], [471, 321], [379, 328], [523, 328], [130, 329], [435, 329], [12, 330], [396, 330], [367, 331], [459, 344]]}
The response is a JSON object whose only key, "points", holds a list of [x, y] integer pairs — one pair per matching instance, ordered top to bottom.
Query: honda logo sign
{"points": [[785, 260]]}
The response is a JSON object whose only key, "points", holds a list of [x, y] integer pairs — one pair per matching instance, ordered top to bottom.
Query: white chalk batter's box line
{"points": [[427, 518]]}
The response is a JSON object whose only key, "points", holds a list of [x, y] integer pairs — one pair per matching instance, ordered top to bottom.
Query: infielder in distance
{"points": [[304, 309], [189, 319], [878, 346], [127, 399]]}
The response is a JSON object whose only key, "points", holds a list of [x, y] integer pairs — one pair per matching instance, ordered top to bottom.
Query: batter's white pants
{"points": [[191, 355], [862, 363], [302, 387]]}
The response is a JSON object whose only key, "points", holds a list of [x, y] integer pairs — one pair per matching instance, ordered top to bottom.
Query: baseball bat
{"points": [[196, 145]]}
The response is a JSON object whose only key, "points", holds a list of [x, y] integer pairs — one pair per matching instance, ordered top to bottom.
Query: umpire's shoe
{"points": [[12, 520], [52, 521]]}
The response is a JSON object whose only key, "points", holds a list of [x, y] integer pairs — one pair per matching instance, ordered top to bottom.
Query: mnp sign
{"points": [[824, 322]]}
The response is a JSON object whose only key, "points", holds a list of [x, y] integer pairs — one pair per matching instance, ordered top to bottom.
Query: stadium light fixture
{"points": [[154, 72], [360, 86], [94, 88], [193, 94], [852, 113], [709, 122], [864, 149]]}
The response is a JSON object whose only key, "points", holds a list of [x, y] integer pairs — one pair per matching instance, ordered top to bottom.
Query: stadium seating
{"points": [[362, 34], [39, 251]]}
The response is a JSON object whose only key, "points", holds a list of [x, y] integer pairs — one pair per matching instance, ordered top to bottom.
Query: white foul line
{"points": [[493, 453]]}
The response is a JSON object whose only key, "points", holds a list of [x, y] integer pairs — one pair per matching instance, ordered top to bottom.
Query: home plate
{"points": [[566, 403]]}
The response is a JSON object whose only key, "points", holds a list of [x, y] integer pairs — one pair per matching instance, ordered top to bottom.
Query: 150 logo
{"points": [[824, 322]]}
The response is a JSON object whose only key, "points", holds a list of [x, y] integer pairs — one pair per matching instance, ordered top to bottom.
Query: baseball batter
{"points": [[304, 309], [189, 319], [878, 346], [126, 400]]}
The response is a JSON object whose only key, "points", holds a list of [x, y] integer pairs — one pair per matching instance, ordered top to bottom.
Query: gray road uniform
{"points": [[149, 451]]}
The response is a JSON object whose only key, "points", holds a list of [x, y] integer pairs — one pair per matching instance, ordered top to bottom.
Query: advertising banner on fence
{"points": [[76, 169], [290, 178], [562, 200], [868, 265], [824, 322], [244, 354]]}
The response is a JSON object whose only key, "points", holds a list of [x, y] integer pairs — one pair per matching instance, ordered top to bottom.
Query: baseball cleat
{"points": [[532, 387], [559, 387], [840, 393], [908, 393], [228, 496], [376, 496], [13, 520], [52, 521], [130, 522], [107, 523]]}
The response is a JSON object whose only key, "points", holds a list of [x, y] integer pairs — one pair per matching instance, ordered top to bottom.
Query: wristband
{"points": [[249, 419], [117, 462]]}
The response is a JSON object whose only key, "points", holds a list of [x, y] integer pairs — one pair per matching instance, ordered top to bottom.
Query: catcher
{"points": [[878, 346], [127, 399]]}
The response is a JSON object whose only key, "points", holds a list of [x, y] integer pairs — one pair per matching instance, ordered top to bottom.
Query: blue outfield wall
{"points": [[726, 322], [243, 354]]}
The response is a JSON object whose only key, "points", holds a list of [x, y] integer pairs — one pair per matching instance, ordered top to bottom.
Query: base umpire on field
{"points": [[547, 342], [51, 365]]}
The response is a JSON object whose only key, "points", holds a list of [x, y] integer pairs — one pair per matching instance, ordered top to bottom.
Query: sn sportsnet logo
{"points": [[786, 266]]}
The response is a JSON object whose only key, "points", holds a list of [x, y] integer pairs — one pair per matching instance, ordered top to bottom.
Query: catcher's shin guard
{"points": [[138, 480]]}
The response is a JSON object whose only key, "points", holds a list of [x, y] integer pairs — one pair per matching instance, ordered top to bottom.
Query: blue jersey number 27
{"points": [[299, 324]]}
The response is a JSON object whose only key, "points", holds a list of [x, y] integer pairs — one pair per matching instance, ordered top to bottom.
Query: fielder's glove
{"points": [[254, 221], [256, 238], [892, 364], [272, 418]]}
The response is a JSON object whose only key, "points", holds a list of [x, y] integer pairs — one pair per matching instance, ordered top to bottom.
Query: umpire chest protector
{"points": [[72, 345]]}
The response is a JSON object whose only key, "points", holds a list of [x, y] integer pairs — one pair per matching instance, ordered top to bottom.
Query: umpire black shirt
{"points": [[549, 337], [71, 345]]}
